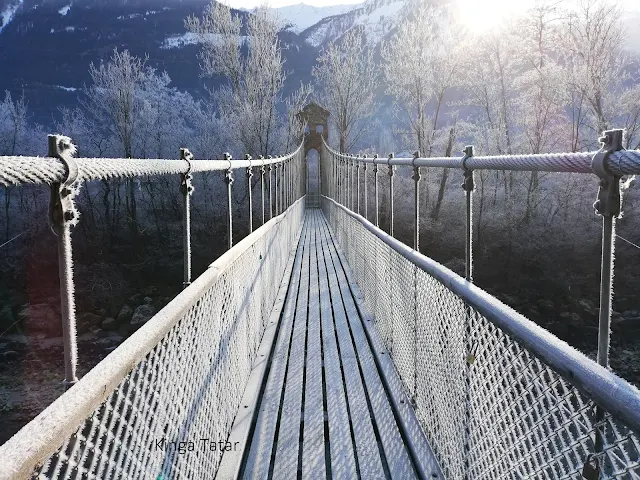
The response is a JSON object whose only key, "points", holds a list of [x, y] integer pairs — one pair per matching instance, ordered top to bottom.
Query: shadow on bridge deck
{"points": [[325, 411]]}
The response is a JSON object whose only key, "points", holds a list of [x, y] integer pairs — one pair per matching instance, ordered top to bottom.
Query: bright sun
{"points": [[485, 15]]}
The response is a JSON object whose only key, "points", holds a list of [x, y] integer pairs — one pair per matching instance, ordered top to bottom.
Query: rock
{"points": [[150, 290], [136, 299], [148, 300], [546, 306], [103, 312], [126, 312], [631, 314], [142, 315], [615, 315], [6, 318], [41, 318], [86, 322], [109, 323], [9, 355]]}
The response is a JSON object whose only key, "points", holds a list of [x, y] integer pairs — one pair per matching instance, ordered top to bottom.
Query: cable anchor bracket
{"points": [[609, 200], [62, 209]]}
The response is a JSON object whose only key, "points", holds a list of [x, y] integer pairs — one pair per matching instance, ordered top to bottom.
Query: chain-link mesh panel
{"points": [[489, 407], [167, 417]]}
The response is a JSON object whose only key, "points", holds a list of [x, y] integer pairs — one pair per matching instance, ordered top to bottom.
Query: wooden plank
{"points": [[288, 443], [313, 449], [367, 452], [259, 457], [231, 460], [398, 460], [343, 462], [427, 463]]}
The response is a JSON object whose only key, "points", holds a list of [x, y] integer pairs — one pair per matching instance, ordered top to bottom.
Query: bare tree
{"points": [[421, 64], [347, 78], [249, 102]]}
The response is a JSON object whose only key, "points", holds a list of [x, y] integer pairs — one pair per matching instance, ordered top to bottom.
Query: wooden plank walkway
{"points": [[324, 411]]}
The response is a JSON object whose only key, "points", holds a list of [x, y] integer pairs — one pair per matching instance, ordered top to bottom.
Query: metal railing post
{"points": [[270, 169], [262, 172], [391, 172], [228, 178], [358, 185], [275, 186], [468, 186], [375, 188], [186, 189], [249, 191], [349, 194], [366, 198], [416, 202], [609, 206], [62, 216]]}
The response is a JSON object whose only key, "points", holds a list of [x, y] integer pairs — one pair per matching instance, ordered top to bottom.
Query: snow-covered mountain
{"points": [[302, 16], [376, 17]]}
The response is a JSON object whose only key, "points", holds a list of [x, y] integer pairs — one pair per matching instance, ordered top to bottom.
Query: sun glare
{"points": [[485, 15]]}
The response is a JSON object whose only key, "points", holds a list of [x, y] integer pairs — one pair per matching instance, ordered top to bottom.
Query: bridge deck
{"points": [[324, 411]]}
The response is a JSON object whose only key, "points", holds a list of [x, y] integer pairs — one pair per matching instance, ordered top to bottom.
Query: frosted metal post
{"points": [[270, 169], [262, 172], [391, 172], [228, 178], [358, 185], [468, 186], [375, 187], [186, 188], [249, 191], [366, 197], [416, 203], [609, 206], [62, 216]]}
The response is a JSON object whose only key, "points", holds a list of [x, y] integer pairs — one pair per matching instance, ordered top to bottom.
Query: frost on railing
{"points": [[174, 386], [491, 406]]}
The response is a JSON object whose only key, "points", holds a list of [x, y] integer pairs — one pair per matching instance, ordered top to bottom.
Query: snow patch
{"points": [[64, 10], [8, 14], [70, 29], [179, 41], [66, 89]]}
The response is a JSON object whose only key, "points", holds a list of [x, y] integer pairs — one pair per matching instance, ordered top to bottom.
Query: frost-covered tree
{"points": [[421, 64], [347, 77], [250, 101], [13, 124]]}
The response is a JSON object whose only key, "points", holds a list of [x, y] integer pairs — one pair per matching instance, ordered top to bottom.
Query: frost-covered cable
{"points": [[17, 170]]}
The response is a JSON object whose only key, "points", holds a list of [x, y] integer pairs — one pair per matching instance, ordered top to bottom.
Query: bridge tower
{"points": [[317, 120]]}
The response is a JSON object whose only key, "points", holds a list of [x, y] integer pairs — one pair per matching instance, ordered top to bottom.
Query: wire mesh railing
{"points": [[175, 385], [496, 395], [523, 411]]}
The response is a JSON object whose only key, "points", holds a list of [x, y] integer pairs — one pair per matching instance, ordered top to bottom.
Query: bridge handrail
{"points": [[623, 162], [18, 170], [613, 393], [41, 437]]}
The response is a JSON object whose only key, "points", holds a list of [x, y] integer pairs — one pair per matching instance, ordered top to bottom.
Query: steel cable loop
{"points": [[18, 170]]}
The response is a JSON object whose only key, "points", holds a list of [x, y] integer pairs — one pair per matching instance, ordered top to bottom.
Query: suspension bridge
{"points": [[320, 346]]}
